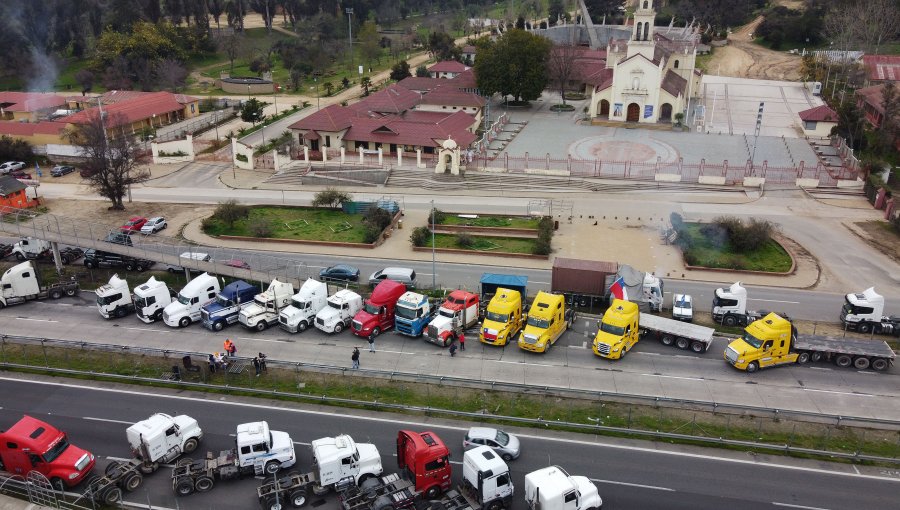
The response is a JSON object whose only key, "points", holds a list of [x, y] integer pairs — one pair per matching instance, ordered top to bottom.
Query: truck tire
{"points": [[20, 257], [64, 259], [90, 265], [129, 266], [142, 267], [170, 269], [70, 291], [55, 294], [121, 312], [157, 316], [730, 321], [184, 322], [218, 326], [261, 326], [302, 326], [338, 327], [864, 327], [374, 334], [667, 339], [682, 343], [698, 346], [803, 357], [817, 357], [843, 360], [861, 363], [880, 364], [752, 367], [190, 445], [272, 467], [111, 468], [148, 469], [132, 481], [204, 483], [58, 484], [368, 484], [184, 486], [432, 493], [111, 495], [298, 498], [272, 502], [384, 503], [495, 505]]}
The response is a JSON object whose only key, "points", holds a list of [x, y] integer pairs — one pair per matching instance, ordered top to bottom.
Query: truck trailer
{"points": [[587, 283], [623, 325]]}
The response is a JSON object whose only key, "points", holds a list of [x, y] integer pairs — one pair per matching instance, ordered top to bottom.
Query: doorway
{"points": [[634, 113]]}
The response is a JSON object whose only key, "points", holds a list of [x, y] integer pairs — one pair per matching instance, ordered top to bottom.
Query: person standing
{"points": [[462, 340], [371, 343], [230, 348], [453, 349], [355, 358], [262, 362], [212, 364], [256, 365]]}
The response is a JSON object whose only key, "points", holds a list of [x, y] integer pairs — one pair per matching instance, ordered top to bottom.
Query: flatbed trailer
{"points": [[683, 335], [845, 352], [191, 475], [393, 492]]}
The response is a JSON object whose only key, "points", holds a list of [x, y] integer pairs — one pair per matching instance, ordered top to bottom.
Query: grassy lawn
{"points": [[492, 221], [297, 223], [485, 243], [703, 252]]}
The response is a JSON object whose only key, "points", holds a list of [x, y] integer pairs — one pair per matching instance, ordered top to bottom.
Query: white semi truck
{"points": [[22, 283], [114, 298], [150, 299], [305, 304], [342, 306], [729, 307], [186, 309], [264, 310], [864, 312], [162, 438], [551, 488]]}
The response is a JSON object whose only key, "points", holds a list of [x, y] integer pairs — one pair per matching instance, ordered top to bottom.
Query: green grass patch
{"points": [[492, 221], [296, 223], [485, 243], [703, 252]]}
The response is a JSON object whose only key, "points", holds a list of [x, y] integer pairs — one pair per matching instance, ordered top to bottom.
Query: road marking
{"points": [[542, 283], [774, 301], [35, 320], [150, 330], [262, 340], [521, 363], [675, 377], [839, 392], [343, 415], [91, 418], [302, 443], [855, 468], [633, 485], [144, 505], [788, 505]]}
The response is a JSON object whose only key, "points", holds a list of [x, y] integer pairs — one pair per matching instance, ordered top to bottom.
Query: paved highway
{"points": [[651, 369], [629, 474]]}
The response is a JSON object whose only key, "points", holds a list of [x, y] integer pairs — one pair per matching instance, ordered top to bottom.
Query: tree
{"points": [[216, 8], [600, 8], [556, 11], [876, 21], [368, 42], [231, 45], [442, 47], [516, 65], [561, 66], [400, 70], [298, 71], [422, 71], [170, 74], [85, 78], [365, 82], [329, 88], [252, 110], [888, 132], [14, 149], [109, 157], [331, 198]]}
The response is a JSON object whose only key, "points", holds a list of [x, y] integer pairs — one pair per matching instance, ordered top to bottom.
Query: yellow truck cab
{"points": [[503, 318], [547, 321], [618, 331], [766, 342]]}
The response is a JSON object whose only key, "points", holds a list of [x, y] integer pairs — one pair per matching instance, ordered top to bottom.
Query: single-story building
{"points": [[468, 54], [881, 68], [447, 69], [450, 99], [869, 100], [28, 106], [131, 111], [819, 121], [410, 131], [35, 133], [13, 193]]}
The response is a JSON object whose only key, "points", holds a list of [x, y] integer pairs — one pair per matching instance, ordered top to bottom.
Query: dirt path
{"points": [[743, 58]]}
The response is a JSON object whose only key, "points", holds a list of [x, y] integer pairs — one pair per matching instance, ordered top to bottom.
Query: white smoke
{"points": [[44, 72]]}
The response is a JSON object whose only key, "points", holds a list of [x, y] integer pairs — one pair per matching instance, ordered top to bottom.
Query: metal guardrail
{"points": [[644, 400]]}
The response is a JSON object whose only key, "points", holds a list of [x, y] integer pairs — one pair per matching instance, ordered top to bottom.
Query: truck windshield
{"points": [[184, 299], [105, 300], [223, 301], [683, 303], [300, 305], [334, 305], [373, 309], [406, 313], [497, 317], [538, 323], [612, 330], [752, 340], [502, 438], [57, 449]]}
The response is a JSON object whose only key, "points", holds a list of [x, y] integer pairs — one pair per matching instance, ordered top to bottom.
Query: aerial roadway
{"points": [[629, 474]]}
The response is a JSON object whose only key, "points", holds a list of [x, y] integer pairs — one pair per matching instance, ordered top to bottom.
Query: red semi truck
{"points": [[377, 314], [32, 445], [425, 460]]}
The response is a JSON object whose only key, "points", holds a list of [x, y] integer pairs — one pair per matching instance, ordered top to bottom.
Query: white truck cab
{"points": [[29, 248], [114, 298], [150, 299], [305, 304], [342, 306], [186, 309], [263, 312], [162, 438], [258, 445], [340, 458], [487, 482], [551, 488]]}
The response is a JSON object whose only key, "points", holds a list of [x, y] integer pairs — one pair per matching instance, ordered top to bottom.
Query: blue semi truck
{"points": [[224, 310], [413, 313]]}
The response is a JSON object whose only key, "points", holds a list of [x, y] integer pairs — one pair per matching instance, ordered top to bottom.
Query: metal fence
{"points": [[588, 411]]}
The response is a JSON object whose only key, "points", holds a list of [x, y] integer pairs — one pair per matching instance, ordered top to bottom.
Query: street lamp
{"points": [[349, 11], [259, 117], [433, 272]]}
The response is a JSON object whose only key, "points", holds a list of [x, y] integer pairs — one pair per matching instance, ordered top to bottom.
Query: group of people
{"points": [[219, 361]]}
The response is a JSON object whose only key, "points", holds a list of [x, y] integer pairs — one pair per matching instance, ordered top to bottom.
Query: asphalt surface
{"points": [[650, 369], [628, 474]]}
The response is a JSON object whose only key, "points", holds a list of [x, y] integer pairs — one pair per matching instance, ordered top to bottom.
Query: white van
{"points": [[188, 257], [403, 275]]}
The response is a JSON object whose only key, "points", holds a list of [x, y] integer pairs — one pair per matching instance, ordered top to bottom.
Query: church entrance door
{"points": [[604, 108], [634, 113]]}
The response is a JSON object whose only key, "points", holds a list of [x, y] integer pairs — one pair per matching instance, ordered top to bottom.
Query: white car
{"points": [[11, 166], [154, 225], [682, 307], [506, 445]]}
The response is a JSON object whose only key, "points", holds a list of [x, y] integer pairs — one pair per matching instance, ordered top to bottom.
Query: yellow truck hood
{"points": [[607, 338]]}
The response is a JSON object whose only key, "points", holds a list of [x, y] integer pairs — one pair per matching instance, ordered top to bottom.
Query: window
{"points": [[675, 65], [809, 125], [327, 140], [26, 275], [195, 300], [767, 345], [170, 432], [12, 446], [260, 447], [245, 450], [346, 461], [436, 464], [503, 480], [570, 497]]}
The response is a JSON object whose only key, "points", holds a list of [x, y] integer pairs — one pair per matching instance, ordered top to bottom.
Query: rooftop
{"points": [[448, 66], [882, 67], [451, 96], [391, 99], [29, 101], [126, 107], [819, 114], [414, 129], [10, 185]]}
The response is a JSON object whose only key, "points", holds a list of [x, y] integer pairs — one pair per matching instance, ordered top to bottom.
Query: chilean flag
{"points": [[617, 289]]}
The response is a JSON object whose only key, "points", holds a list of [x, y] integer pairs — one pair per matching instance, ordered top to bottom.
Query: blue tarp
{"points": [[491, 281]]}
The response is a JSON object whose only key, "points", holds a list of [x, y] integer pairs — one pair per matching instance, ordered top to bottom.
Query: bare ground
{"points": [[743, 58], [177, 215], [881, 236]]}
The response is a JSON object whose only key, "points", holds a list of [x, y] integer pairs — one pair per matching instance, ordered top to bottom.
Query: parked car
{"points": [[10, 166], [61, 170], [18, 174], [134, 224], [154, 225], [119, 238], [238, 263], [340, 272], [403, 275], [506, 445]]}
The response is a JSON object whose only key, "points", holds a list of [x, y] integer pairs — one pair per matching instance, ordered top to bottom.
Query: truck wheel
{"points": [[20, 257], [64, 259], [90, 265], [129, 266], [141, 268], [170, 269], [70, 291], [55, 294], [120, 312], [157, 316], [729, 321], [184, 322], [218, 326], [261, 326], [302, 326], [338, 327], [864, 327], [375, 332], [667, 339], [682, 343], [698, 347], [817, 356], [803, 357], [843, 360], [861, 363], [880, 364], [752, 367], [190, 445], [272, 467], [111, 468], [148, 469], [132, 482], [204, 483], [58, 484], [368, 484], [184, 487], [433, 492], [111, 495], [298, 498], [272, 502], [384, 503], [495, 505]]}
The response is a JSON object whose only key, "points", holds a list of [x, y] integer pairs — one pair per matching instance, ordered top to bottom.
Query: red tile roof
{"points": [[448, 66], [882, 67], [465, 80], [601, 80], [420, 84], [674, 84], [451, 96], [872, 96], [391, 99], [29, 101], [128, 107], [819, 114], [332, 119], [31, 128], [401, 130]]}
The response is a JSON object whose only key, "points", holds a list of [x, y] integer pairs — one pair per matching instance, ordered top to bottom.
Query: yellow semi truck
{"points": [[503, 318], [548, 319], [623, 325], [773, 341]]}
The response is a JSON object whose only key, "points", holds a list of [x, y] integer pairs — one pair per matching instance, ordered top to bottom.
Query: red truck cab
{"points": [[377, 314], [32, 445], [424, 459]]}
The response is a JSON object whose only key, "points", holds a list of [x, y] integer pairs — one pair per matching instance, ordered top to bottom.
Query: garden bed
{"points": [[294, 223], [705, 252]]}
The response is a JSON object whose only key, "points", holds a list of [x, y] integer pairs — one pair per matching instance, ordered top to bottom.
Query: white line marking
{"points": [[542, 283], [774, 301], [34, 320], [150, 330], [260, 339], [520, 363], [819, 368], [675, 377], [839, 392], [343, 415], [107, 420], [303, 444], [855, 468], [633, 485], [144, 505], [788, 505]]}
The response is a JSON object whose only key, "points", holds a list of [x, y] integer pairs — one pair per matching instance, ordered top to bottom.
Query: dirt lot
{"points": [[742, 58], [177, 215], [881, 236]]}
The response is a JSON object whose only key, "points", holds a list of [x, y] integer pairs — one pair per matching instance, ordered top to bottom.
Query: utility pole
{"points": [[349, 11], [756, 134], [433, 272]]}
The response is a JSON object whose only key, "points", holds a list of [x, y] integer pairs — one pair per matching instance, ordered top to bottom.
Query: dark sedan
{"points": [[61, 170], [339, 272]]}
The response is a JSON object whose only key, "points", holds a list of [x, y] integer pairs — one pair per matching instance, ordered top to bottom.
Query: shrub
{"points": [[331, 198], [230, 211], [439, 216], [378, 218], [677, 222], [260, 227], [545, 228], [371, 234], [715, 234], [420, 236], [745, 237], [464, 240], [541, 247]]}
